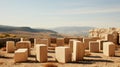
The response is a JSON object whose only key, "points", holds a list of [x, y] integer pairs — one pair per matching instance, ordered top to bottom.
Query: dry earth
{"points": [[94, 60]]}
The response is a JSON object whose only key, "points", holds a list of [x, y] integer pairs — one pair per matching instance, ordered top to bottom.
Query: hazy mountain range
{"points": [[4, 28], [62, 30], [73, 30]]}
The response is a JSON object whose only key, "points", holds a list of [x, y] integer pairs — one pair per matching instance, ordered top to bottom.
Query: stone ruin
{"points": [[110, 34], [99, 40]]}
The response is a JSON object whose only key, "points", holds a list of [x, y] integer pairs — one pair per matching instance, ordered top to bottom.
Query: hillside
{"points": [[4, 28], [26, 32]]}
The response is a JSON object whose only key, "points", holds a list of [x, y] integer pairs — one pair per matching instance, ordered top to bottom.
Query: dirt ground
{"points": [[94, 60]]}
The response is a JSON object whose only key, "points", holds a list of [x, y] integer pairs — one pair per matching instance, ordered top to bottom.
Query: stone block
{"points": [[109, 37], [95, 38], [80, 39], [119, 39], [53, 40], [66, 40], [37, 41], [42, 41], [49, 42], [60, 42], [71, 42], [86, 42], [24, 44], [101, 44], [10, 46], [94, 46], [109, 48], [78, 51], [41, 52], [63, 54], [21, 55]]}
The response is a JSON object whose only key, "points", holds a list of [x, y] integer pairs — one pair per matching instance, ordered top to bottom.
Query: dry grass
{"points": [[4, 35], [50, 65]]}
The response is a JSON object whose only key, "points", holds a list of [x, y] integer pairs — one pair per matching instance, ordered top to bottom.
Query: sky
{"points": [[59, 13]]}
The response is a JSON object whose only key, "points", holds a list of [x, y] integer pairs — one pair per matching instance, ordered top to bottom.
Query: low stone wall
{"points": [[3, 41]]}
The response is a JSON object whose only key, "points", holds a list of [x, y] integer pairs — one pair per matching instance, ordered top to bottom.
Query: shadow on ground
{"points": [[91, 61]]}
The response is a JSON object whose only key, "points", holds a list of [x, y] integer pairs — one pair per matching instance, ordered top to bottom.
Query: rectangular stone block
{"points": [[109, 37], [115, 37], [95, 38], [119, 38], [80, 39], [53, 40], [66, 40], [37, 41], [42, 41], [49, 42], [60, 42], [71, 42], [86, 42], [24, 44], [101, 44], [10, 46], [94, 46], [109, 48], [78, 51], [41, 52], [63, 54], [21, 55]]}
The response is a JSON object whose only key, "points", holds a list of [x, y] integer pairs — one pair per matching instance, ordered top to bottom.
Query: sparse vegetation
{"points": [[5, 35]]}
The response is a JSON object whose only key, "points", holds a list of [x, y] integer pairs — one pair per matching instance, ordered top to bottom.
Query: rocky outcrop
{"points": [[110, 34]]}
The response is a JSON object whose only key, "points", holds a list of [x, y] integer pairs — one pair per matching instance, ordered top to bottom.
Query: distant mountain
{"points": [[4, 28], [73, 30]]}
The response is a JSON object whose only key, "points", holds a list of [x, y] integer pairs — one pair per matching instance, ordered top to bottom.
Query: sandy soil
{"points": [[94, 60]]}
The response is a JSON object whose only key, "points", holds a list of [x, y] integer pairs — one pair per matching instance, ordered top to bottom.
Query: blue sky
{"points": [[57, 13]]}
